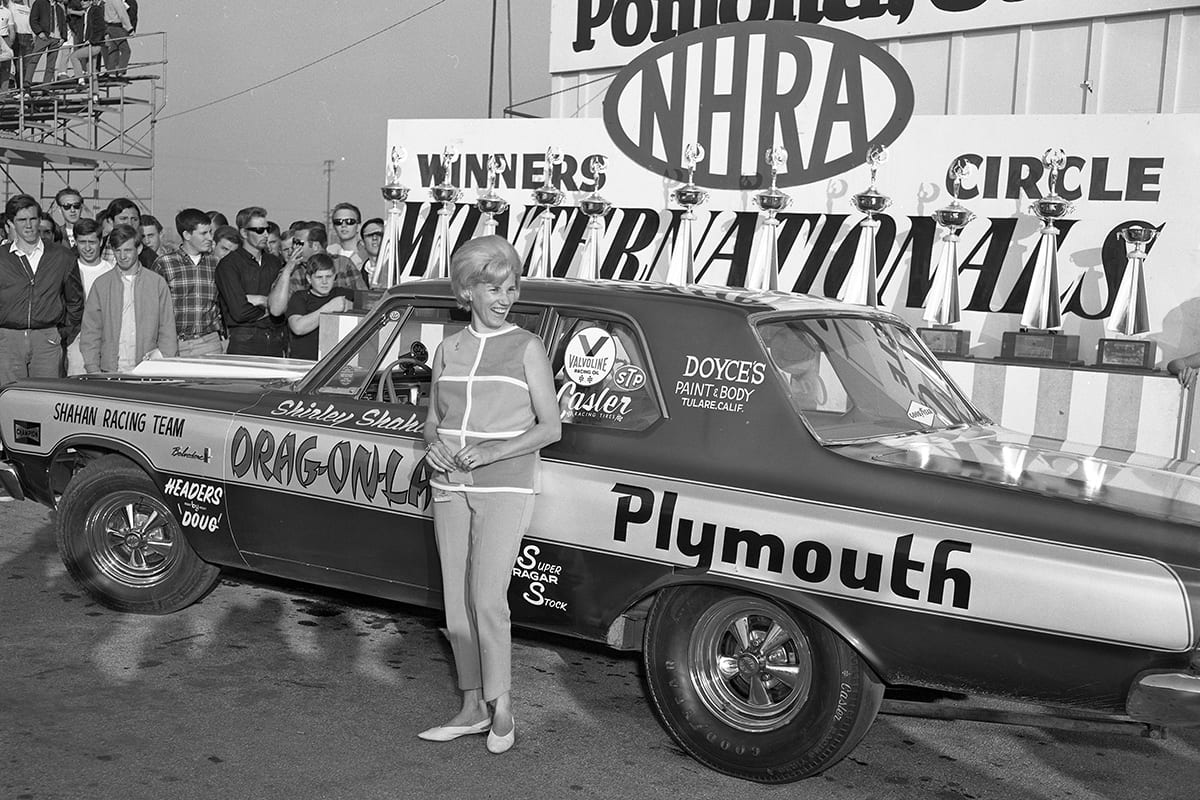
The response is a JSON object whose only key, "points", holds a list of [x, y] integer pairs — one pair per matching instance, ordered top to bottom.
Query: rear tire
{"points": [[122, 545], [754, 689]]}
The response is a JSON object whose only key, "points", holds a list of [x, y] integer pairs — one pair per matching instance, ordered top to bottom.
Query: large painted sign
{"points": [[588, 35], [739, 90], [1121, 168]]}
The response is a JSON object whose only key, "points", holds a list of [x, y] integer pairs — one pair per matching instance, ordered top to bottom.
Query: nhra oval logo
{"points": [[824, 94]]}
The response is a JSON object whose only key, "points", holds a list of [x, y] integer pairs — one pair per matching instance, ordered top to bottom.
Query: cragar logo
{"points": [[824, 94]]}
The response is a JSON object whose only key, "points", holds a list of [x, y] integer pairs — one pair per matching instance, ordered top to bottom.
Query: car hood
{"points": [[1151, 486]]}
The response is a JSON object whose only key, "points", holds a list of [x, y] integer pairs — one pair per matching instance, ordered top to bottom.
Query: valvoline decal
{"points": [[845, 93]]}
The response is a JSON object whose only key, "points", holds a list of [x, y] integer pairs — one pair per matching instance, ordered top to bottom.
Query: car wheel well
{"points": [[71, 459], [625, 632]]}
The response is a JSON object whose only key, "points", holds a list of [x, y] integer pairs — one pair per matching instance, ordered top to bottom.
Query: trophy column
{"points": [[446, 194], [547, 197], [595, 206], [764, 261], [682, 270], [860, 285], [942, 306], [1130, 314], [1040, 339]]}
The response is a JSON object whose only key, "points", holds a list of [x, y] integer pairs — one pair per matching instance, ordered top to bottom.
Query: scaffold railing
{"points": [[93, 132]]}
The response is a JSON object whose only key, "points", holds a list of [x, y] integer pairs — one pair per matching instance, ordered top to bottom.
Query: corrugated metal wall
{"points": [[1138, 63]]}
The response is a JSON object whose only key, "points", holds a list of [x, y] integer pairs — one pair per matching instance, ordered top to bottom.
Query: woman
{"points": [[492, 408]]}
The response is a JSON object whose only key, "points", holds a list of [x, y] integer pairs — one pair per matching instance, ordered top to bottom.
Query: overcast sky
{"points": [[267, 147]]}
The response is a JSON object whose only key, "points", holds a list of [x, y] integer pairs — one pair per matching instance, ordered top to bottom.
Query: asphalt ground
{"points": [[273, 690]]}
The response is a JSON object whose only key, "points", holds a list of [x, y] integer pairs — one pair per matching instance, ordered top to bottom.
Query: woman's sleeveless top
{"points": [[482, 395]]}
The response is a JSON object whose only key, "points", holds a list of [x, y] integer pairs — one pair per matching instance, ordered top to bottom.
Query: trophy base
{"points": [[365, 299], [946, 341], [1040, 347], [1131, 354]]}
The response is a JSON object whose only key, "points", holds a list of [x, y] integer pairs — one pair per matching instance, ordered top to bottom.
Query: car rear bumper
{"points": [[10, 481], [1165, 698]]}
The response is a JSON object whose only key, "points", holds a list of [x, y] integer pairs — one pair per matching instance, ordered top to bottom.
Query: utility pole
{"points": [[328, 191]]}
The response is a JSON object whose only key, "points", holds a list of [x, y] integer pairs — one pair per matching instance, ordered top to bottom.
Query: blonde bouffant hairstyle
{"points": [[485, 259]]}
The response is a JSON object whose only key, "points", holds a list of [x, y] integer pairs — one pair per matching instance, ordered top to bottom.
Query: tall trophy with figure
{"points": [[445, 195], [547, 197], [489, 202], [595, 206], [764, 259], [387, 263], [682, 269], [860, 286], [942, 306], [1130, 315], [1040, 338]]}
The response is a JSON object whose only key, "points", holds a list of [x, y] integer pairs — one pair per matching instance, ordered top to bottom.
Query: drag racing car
{"points": [[781, 501]]}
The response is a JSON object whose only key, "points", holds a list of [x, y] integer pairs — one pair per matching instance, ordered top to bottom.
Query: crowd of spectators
{"points": [[74, 37], [101, 293]]}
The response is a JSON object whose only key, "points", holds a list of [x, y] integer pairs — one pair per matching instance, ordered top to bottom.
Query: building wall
{"points": [[1119, 63]]}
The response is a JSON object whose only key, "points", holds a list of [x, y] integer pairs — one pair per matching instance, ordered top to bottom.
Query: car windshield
{"points": [[856, 378]]}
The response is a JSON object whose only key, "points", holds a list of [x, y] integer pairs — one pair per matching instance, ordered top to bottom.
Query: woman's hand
{"points": [[476, 455], [440, 458]]}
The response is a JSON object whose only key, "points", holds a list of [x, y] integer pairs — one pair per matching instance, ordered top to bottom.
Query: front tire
{"points": [[123, 546], [753, 689]]}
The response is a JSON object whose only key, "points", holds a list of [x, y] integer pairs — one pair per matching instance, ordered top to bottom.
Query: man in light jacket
{"points": [[128, 313]]}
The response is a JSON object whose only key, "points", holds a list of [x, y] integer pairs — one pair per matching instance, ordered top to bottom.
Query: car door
{"points": [[329, 484], [569, 572]]}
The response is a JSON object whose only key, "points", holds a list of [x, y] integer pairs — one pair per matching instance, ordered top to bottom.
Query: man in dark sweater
{"points": [[41, 297], [253, 300], [306, 306]]}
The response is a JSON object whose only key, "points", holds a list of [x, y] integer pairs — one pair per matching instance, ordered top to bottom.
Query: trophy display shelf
{"points": [[1030, 346]]}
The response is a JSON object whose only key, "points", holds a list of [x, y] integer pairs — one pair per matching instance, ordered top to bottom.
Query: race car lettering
{"points": [[725, 369], [602, 403], [314, 412], [75, 414], [121, 419], [381, 419], [168, 426], [343, 464], [190, 490], [201, 522], [811, 561], [539, 574]]}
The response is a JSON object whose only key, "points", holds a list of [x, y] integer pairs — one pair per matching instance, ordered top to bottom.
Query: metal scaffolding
{"points": [[95, 134]]}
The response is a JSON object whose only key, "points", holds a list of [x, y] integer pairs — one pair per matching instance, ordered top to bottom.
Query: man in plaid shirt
{"points": [[190, 273]]}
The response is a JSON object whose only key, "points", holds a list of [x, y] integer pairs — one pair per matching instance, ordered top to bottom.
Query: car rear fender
{"points": [[74, 452], [625, 631]]}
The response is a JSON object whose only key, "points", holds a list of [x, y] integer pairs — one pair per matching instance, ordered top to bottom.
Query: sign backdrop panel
{"points": [[1120, 168]]}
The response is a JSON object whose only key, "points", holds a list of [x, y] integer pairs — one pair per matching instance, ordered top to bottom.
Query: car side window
{"points": [[601, 375]]}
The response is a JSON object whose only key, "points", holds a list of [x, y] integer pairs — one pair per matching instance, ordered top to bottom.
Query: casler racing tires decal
{"points": [[123, 546], [752, 688]]}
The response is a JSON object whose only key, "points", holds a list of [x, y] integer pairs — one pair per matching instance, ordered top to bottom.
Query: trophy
{"points": [[446, 194], [547, 197], [489, 202], [595, 207], [764, 262], [387, 263], [682, 270], [860, 281], [942, 307], [1130, 315], [1039, 339]]}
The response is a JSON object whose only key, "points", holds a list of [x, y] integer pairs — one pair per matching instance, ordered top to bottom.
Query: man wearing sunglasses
{"points": [[70, 205], [346, 217], [253, 288]]}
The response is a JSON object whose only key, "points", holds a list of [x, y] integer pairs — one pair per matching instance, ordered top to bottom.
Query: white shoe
{"points": [[448, 733], [502, 744]]}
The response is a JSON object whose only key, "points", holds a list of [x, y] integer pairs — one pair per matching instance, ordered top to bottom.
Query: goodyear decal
{"points": [[867, 557]]}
